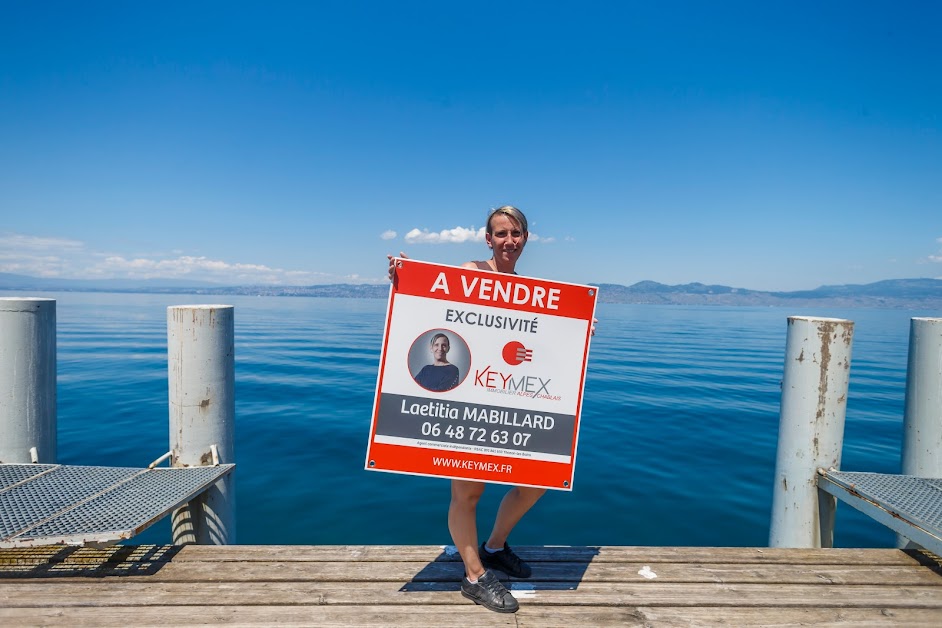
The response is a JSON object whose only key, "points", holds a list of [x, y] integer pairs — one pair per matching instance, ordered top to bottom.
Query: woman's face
{"points": [[506, 238], [440, 348]]}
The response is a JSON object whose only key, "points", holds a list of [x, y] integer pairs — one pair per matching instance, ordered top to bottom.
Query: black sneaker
{"points": [[506, 561], [489, 593]]}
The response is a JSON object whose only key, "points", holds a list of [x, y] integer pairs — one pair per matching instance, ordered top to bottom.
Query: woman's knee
{"points": [[466, 493], [529, 493]]}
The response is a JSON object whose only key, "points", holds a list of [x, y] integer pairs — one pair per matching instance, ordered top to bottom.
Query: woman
{"points": [[506, 235], [440, 375]]}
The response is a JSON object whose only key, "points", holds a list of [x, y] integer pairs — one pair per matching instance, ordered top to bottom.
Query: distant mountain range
{"points": [[891, 293]]}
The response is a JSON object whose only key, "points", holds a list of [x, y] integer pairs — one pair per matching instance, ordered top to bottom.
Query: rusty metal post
{"points": [[201, 360], [27, 380], [811, 429]]}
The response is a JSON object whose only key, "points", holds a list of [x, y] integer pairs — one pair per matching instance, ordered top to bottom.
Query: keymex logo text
{"points": [[514, 354]]}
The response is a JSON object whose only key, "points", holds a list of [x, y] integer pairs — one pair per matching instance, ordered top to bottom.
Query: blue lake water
{"points": [[677, 442]]}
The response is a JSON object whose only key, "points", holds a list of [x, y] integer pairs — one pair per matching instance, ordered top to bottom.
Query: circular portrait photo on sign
{"points": [[439, 360]]}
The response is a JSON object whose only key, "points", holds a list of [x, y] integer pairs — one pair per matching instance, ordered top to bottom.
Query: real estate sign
{"points": [[481, 376]]}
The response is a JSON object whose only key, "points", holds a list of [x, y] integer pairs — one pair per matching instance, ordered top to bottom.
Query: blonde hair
{"points": [[511, 212]]}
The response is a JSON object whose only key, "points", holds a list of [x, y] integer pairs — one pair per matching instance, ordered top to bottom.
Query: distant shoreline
{"points": [[910, 294]]}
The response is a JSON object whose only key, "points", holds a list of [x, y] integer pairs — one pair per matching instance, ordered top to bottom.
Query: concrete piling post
{"points": [[201, 357], [27, 380], [922, 417], [811, 429]]}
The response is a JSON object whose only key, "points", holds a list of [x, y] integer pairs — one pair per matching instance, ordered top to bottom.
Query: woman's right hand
{"points": [[392, 264]]}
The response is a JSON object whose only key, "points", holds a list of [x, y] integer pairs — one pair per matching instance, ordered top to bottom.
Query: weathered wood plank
{"points": [[412, 553], [429, 553], [87, 555], [193, 571], [418, 586], [121, 592], [467, 615], [313, 616], [767, 617]]}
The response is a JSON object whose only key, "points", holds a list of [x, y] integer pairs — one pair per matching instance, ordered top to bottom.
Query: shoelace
{"points": [[494, 587]]}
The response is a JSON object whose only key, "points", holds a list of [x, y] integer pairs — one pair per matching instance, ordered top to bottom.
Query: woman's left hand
{"points": [[392, 264]]}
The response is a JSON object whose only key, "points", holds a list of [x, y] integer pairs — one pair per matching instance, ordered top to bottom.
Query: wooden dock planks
{"points": [[418, 586]]}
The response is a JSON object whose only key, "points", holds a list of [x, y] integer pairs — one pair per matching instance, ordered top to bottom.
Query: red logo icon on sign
{"points": [[515, 353]]}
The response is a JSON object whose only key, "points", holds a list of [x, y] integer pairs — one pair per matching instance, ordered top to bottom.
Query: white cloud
{"points": [[389, 234], [458, 235], [446, 236], [20, 242], [38, 256], [936, 258], [70, 259], [203, 269]]}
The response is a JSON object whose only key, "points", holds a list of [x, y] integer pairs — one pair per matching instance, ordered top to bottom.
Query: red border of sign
{"points": [[576, 301]]}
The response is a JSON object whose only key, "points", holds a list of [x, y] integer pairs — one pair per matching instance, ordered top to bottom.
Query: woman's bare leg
{"points": [[515, 504], [462, 523]]}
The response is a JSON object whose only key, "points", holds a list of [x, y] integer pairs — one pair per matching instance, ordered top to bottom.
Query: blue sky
{"points": [[762, 145]]}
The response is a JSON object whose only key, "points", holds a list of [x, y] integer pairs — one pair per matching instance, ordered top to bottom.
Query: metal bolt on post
{"points": [[201, 361], [811, 429]]}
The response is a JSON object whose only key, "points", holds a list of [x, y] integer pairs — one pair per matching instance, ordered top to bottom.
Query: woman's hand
{"points": [[392, 264]]}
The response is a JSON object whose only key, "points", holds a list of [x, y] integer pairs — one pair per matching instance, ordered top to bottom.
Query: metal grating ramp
{"points": [[48, 504], [908, 505]]}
